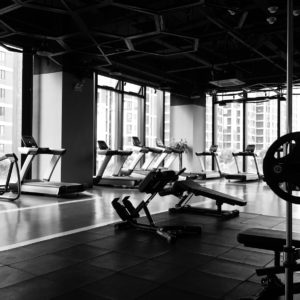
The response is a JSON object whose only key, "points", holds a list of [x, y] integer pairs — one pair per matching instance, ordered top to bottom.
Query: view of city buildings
{"points": [[10, 100], [109, 103], [261, 130]]}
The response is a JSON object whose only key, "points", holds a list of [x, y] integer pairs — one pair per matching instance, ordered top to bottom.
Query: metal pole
{"points": [[289, 209]]}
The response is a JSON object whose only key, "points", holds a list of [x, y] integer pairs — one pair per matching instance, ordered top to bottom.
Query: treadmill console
{"points": [[29, 141], [136, 141], [159, 143], [102, 145], [213, 148], [250, 148]]}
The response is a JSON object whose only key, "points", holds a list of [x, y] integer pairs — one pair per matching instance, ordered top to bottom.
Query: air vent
{"points": [[227, 82]]}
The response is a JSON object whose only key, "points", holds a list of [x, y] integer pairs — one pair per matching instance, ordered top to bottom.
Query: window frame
{"points": [[141, 94]]}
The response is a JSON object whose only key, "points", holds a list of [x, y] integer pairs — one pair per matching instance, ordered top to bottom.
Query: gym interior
{"points": [[149, 149]]}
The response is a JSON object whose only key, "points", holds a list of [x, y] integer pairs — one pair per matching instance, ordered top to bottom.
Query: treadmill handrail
{"points": [[39, 150], [32, 152], [107, 152], [205, 153], [244, 153]]}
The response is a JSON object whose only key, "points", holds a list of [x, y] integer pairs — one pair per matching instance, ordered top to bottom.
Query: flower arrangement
{"points": [[181, 145]]}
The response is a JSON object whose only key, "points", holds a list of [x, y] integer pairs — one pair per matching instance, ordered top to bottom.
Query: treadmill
{"points": [[175, 152], [172, 156], [155, 158], [210, 174], [245, 176], [119, 177], [44, 186]]}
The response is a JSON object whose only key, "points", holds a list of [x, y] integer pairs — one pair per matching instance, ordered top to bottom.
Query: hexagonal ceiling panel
{"points": [[118, 21], [40, 22], [165, 44]]}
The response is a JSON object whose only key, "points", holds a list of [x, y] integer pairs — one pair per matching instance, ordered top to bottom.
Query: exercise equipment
{"points": [[174, 154], [154, 158], [281, 173], [210, 174], [119, 176], [245, 176], [153, 183], [10, 184], [44, 186], [186, 189]]}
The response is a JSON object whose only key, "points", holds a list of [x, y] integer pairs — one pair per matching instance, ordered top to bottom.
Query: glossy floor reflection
{"points": [[35, 218]]}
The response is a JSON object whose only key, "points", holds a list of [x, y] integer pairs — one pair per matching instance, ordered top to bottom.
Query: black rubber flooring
{"points": [[129, 264]]}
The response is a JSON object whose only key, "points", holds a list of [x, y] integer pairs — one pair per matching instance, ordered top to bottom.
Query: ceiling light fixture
{"points": [[273, 9], [231, 12], [296, 12], [271, 20]]}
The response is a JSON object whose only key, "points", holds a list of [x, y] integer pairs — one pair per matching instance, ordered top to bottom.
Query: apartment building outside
{"points": [[10, 100]]}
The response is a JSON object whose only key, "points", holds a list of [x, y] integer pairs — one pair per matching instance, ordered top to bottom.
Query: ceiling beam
{"points": [[84, 29], [249, 60]]}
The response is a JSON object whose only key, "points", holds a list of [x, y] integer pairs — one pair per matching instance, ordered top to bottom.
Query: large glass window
{"points": [[10, 100], [108, 102], [132, 108], [296, 109], [124, 110], [154, 116], [107, 118], [167, 118], [208, 122], [229, 128], [261, 129]]}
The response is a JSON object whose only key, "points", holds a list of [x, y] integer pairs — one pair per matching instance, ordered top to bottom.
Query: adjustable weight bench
{"points": [[153, 183], [186, 189], [273, 240]]}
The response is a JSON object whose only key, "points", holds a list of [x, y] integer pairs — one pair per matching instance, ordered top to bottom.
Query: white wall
{"points": [[64, 118], [47, 120], [188, 123], [182, 128]]}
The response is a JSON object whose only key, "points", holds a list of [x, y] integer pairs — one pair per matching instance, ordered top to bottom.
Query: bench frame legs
{"points": [[183, 207], [130, 215]]}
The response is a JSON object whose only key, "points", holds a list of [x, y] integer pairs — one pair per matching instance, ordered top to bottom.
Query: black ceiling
{"points": [[181, 45]]}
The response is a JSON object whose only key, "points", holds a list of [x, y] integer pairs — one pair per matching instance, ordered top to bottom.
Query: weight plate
{"points": [[282, 174]]}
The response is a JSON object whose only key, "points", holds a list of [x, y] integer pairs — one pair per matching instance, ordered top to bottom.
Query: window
{"points": [[2, 56], [2, 74], [107, 81], [133, 88], [2, 93], [296, 109], [125, 110], [2, 111], [11, 111], [128, 115], [131, 116], [154, 116], [167, 119], [107, 120], [208, 120], [129, 128], [263, 129], [259, 131], [227, 137], [2, 148]]}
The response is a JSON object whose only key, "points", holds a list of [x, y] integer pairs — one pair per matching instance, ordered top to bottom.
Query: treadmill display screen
{"points": [[29, 141], [136, 141], [159, 143], [102, 145], [213, 148], [250, 148]]}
